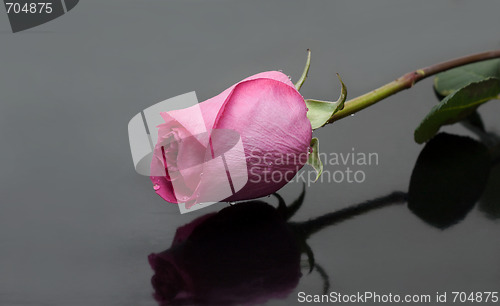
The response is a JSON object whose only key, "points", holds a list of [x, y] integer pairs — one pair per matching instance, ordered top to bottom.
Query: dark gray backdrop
{"points": [[76, 221]]}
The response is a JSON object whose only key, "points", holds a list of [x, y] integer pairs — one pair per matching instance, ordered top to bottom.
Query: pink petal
{"points": [[271, 118]]}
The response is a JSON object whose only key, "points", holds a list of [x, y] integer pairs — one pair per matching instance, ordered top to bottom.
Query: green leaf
{"points": [[447, 82], [457, 106], [320, 112], [313, 159]]}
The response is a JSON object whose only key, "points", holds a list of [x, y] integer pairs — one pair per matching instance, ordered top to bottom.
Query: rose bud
{"points": [[244, 143], [244, 254]]}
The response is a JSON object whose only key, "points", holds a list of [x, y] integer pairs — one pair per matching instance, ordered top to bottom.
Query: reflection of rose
{"points": [[269, 115], [244, 254]]}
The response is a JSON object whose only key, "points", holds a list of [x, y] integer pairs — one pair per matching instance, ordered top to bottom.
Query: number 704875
{"points": [[29, 8], [475, 297]]}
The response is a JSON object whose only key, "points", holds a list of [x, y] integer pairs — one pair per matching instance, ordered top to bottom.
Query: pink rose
{"points": [[257, 127]]}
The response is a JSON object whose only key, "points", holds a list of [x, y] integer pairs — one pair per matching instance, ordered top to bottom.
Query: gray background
{"points": [[76, 221]]}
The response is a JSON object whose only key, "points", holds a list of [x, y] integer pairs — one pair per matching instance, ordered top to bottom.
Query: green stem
{"points": [[407, 81]]}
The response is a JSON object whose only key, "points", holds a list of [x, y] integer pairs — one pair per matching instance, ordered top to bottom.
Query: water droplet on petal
{"points": [[156, 187], [232, 203]]}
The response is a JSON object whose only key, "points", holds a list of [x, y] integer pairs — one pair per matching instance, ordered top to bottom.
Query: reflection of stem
{"points": [[407, 81], [307, 228]]}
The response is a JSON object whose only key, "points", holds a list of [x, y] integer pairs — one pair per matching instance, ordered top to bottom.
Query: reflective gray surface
{"points": [[77, 222]]}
